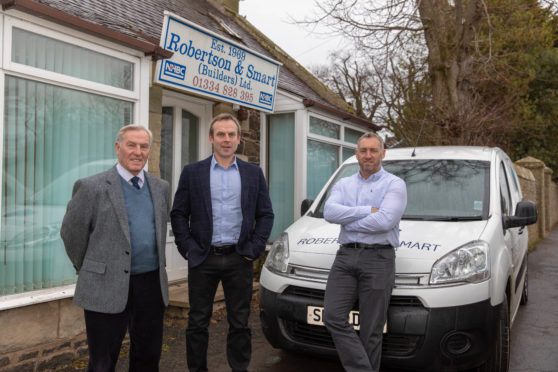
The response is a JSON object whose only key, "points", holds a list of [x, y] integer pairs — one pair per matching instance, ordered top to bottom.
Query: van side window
{"points": [[513, 176], [505, 198]]}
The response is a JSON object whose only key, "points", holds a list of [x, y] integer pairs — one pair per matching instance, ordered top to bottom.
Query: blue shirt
{"points": [[225, 203], [350, 205]]}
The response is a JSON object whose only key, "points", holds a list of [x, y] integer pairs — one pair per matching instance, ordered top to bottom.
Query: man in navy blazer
{"points": [[221, 219]]}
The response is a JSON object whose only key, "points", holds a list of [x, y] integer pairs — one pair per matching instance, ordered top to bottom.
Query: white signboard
{"points": [[208, 64]]}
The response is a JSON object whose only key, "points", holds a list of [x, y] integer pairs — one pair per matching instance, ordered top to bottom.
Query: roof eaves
{"points": [[44, 11], [344, 115]]}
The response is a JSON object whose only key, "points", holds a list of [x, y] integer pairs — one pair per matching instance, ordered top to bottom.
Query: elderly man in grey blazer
{"points": [[114, 232]]}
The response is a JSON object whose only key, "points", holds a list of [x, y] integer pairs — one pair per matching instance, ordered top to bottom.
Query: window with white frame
{"points": [[64, 99], [184, 131], [329, 143]]}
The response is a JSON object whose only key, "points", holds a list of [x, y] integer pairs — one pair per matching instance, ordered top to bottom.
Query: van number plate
{"points": [[315, 316]]}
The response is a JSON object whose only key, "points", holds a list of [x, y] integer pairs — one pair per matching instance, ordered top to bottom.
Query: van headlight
{"points": [[278, 258], [468, 263]]}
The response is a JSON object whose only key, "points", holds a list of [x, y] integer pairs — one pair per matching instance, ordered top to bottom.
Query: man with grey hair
{"points": [[368, 206], [114, 232]]}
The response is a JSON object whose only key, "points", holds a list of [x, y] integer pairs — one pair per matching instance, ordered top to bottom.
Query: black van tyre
{"points": [[525, 292], [499, 360]]}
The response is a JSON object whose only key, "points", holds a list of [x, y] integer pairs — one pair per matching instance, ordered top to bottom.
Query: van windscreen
{"points": [[437, 189]]}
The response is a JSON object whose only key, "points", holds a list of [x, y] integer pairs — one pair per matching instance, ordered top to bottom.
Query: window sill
{"points": [[36, 297]]}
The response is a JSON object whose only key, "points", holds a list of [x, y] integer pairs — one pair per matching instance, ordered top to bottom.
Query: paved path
{"points": [[534, 337]]}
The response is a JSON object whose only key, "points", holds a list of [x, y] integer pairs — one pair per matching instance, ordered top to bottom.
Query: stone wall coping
{"points": [[530, 162], [524, 172]]}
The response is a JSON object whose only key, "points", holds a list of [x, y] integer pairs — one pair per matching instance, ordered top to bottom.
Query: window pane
{"points": [[53, 55], [324, 128], [352, 135], [52, 137], [189, 138], [188, 147], [347, 153], [323, 160], [281, 171], [443, 189], [505, 198]]}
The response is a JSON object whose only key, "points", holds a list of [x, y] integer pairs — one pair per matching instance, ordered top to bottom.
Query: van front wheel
{"points": [[499, 360]]}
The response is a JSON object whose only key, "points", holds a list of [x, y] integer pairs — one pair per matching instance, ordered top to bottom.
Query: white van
{"points": [[461, 267]]}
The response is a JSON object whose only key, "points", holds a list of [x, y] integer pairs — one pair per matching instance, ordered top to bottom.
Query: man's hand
{"points": [[374, 209]]}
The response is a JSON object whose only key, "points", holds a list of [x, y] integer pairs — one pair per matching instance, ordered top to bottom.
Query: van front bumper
{"points": [[417, 338]]}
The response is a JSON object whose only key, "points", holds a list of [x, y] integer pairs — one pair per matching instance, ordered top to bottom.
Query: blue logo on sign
{"points": [[174, 70], [266, 98]]}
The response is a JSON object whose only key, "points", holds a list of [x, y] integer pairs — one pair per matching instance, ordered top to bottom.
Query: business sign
{"points": [[206, 63]]}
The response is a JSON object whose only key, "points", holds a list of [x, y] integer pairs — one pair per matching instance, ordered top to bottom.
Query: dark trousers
{"points": [[236, 275], [367, 275], [143, 317]]}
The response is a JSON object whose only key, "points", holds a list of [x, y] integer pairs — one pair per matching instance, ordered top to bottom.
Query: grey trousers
{"points": [[369, 276]]}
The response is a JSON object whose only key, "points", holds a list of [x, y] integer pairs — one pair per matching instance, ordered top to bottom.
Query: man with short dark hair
{"points": [[368, 206], [221, 219], [114, 232]]}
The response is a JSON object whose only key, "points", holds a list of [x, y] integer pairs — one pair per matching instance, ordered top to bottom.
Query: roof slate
{"points": [[145, 17]]}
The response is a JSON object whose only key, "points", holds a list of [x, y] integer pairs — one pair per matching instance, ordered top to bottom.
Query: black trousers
{"points": [[236, 275], [142, 317]]}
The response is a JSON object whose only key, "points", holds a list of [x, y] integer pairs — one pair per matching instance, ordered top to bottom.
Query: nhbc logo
{"points": [[174, 70], [266, 98]]}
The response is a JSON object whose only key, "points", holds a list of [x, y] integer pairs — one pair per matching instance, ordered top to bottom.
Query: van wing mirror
{"points": [[305, 205], [525, 214]]}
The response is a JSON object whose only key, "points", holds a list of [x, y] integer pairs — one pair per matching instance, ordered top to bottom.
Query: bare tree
{"points": [[440, 74], [357, 83]]}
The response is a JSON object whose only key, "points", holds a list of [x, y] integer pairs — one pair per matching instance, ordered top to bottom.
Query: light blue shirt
{"points": [[225, 203], [350, 205]]}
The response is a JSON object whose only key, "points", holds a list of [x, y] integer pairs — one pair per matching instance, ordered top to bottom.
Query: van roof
{"points": [[438, 152]]}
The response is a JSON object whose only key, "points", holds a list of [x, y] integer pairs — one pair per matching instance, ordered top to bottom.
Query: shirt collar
{"points": [[215, 164], [124, 173], [376, 176]]}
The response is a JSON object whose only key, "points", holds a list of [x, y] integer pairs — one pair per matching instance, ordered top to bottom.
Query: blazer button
{"points": [[127, 252], [126, 271]]}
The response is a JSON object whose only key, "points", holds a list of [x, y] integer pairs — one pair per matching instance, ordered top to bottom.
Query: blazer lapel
{"points": [[205, 183], [116, 196]]}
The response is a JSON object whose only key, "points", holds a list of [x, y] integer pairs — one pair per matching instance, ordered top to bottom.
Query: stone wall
{"points": [[155, 125], [537, 186], [41, 337]]}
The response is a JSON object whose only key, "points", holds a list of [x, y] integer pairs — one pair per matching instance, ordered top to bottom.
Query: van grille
{"points": [[315, 294], [318, 294], [393, 344]]}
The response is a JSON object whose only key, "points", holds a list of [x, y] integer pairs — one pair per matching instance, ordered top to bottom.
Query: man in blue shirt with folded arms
{"points": [[368, 205]]}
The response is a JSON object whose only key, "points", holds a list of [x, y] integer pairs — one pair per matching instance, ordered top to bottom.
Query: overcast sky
{"points": [[273, 18]]}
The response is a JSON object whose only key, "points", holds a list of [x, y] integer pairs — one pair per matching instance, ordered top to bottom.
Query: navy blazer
{"points": [[192, 217]]}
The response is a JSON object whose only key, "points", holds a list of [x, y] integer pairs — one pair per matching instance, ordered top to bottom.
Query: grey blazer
{"points": [[96, 235]]}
